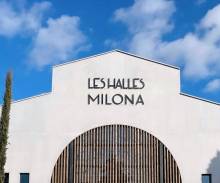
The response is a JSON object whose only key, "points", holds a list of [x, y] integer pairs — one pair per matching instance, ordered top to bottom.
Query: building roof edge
{"points": [[120, 51], [199, 98]]}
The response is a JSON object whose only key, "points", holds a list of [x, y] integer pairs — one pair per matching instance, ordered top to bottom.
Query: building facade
{"points": [[114, 117]]}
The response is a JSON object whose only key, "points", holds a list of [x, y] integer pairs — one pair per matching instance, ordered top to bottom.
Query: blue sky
{"points": [[34, 35]]}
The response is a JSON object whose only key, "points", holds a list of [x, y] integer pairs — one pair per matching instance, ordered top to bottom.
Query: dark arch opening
{"points": [[116, 154]]}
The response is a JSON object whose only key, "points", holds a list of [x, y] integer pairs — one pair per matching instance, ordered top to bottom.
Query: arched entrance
{"points": [[116, 154]]}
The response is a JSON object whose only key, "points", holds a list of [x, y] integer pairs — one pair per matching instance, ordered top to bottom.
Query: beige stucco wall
{"points": [[42, 126]]}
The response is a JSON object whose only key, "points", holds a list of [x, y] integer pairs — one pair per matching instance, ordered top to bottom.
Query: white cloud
{"points": [[199, 2], [148, 16], [13, 21], [148, 21], [53, 40], [60, 40], [198, 51], [213, 86]]}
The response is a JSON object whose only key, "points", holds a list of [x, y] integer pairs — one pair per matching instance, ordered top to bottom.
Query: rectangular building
{"points": [[114, 117]]}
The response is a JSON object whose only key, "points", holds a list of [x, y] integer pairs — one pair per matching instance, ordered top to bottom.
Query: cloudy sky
{"points": [[34, 35]]}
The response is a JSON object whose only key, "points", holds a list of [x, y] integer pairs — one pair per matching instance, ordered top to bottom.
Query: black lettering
{"points": [[103, 83], [142, 83], [89, 84], [119, 84], [111, 85], [96, 86], [135, 86], [120, 97], [91, 99], [130, 99], [106, 100], [139, 100]]}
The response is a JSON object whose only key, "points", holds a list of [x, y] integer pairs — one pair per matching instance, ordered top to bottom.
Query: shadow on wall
{"points": [[214, 168]]}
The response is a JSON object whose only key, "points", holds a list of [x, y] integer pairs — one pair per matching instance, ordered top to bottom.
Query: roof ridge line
{"points": [[116, 50]]}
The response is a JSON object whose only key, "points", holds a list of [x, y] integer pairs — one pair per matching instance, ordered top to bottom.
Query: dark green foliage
{"points": [[4, 124]]}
